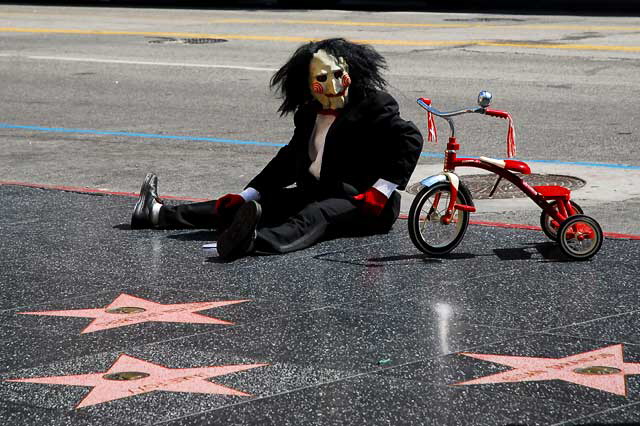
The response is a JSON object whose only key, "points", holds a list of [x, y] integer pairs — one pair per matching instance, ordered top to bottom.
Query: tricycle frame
{"points": [[580, 236]]}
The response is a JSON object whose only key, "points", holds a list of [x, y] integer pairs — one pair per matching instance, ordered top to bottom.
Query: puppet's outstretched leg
{"points": [[147, 209], [238, 239]]}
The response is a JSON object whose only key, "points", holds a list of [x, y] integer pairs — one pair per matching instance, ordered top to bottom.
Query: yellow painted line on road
{"points": [[340, 23], [489, 23], [421, 25], [576, 27], [152, 34], [384, 42], [559, 46]]}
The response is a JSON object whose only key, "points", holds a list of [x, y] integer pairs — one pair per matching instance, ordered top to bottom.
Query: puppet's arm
{"points": [[400, 145], [375, 198], [228, 204]]}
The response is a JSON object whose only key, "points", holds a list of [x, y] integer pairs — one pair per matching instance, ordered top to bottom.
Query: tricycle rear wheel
{"points": [[580, 237]]}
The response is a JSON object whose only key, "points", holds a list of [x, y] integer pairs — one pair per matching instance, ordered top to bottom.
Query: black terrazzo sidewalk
{"points": [[352, 331]]}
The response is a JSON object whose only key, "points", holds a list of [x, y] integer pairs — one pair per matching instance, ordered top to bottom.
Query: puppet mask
{"points": [[329, 80]]}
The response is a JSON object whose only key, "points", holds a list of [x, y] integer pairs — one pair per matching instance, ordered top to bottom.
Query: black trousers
{"points": [[292, 218]]}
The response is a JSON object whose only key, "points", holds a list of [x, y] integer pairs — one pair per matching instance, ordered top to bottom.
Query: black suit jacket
{"points": [[366, 142]]}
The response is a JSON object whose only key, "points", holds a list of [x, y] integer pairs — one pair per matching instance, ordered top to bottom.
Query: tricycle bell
{"points": [[484, 99]]}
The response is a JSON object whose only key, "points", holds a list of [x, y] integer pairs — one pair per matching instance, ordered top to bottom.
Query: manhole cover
{"points": [[171, 40], [203, 40], [481, 185], [125, 310], [597, 370], [125, 375]]}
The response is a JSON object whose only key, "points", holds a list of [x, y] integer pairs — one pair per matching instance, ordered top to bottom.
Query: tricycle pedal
{"points": [[465, 208]]}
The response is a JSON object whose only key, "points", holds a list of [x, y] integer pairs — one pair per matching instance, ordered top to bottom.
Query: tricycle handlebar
{"points": [[484, 100], [426, 104], [496, 113]]}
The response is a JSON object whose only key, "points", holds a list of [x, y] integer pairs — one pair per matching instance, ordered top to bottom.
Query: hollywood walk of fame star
{"points": [[128, 310], [602, 369], [144, 377]]}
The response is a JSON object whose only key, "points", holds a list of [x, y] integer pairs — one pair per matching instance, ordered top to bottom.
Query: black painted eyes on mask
{"points": [[337, 74]]}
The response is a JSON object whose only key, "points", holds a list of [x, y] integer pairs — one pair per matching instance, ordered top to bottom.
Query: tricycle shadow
{"points": [[550, 252]]}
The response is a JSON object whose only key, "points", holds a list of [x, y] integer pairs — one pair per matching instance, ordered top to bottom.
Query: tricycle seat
{"points": [[513, 165], [553, 192]]}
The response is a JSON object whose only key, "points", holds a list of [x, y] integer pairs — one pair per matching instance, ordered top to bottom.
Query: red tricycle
{"points": [[439, 214]]}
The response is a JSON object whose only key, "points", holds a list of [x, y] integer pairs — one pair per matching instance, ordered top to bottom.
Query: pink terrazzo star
{"points": [[128, 310], [602, 369], [149, 377]]}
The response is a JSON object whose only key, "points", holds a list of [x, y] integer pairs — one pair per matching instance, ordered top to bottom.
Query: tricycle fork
{"points": [[454, 182], [563, 210]]}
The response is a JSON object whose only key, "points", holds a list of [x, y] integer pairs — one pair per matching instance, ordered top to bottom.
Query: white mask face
{"points": [[329, 80]]}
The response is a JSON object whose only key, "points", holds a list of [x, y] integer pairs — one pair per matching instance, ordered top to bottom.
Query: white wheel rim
{"points": [[432, 230], [581, 246]]}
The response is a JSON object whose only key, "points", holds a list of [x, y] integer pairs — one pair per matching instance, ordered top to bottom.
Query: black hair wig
{"points": [[292, 79]]}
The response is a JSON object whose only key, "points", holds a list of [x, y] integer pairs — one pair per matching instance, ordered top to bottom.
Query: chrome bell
{"points": [[484, 99]]}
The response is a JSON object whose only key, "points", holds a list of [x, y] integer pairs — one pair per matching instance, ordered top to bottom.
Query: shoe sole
{"points": [[136, 221], [237, 239]]}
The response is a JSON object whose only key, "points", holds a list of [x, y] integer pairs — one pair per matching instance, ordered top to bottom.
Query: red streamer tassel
{"points": [[432, 131], [511, 138]]}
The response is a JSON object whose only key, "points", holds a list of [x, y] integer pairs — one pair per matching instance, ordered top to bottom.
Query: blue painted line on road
{"points": [[139, 135], [274, 144], [570, 163], [587, 164]]}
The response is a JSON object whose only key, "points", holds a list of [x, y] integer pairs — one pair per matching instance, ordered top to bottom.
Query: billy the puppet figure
{"points": [[338, 175]]}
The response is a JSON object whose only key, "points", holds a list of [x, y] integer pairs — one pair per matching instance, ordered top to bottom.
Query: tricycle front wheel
{"points": [[427, 230]]}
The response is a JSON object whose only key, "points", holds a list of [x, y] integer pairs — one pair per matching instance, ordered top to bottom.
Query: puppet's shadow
{"points": [[200, 235], [195, 236], [423, 257]]}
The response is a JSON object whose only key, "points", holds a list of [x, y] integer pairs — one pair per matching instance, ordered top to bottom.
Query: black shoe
{"points": [[141, 217], [238, 239]]}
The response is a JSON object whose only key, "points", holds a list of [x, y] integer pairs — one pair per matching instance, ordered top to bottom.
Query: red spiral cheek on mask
{"points": [[346, 81], [317, 88]]}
